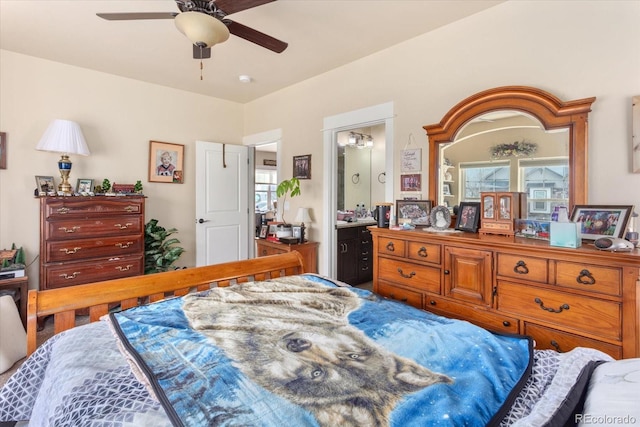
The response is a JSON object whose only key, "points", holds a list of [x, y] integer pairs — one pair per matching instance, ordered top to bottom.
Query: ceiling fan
{"points": [[205, 23]]}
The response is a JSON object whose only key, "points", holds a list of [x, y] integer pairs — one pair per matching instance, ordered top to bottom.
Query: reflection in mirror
{"points": [[507, 150], [359, 164]]}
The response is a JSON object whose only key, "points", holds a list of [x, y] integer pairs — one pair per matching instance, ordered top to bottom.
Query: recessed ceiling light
{"points": [[244, 78]]}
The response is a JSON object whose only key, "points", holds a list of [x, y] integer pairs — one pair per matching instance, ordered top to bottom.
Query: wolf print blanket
{"points": [[302, 351]]}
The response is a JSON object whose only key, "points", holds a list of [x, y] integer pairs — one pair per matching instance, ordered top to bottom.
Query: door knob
{"points": [[201, 220]]}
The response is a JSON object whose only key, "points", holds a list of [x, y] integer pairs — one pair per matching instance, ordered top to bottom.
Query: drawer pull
{"points": [[131, 209], [63, 210], [123, 227], [69, 230], [124, 245], [390, 247], [70, 251], [264, 252], [422, 252], [121, 268], [521, 268], [446, 272], [586, 274], [73, 276], [406, 276], [393, 297], [432, 302], [551, 310], [506, 323], [555, 345]]}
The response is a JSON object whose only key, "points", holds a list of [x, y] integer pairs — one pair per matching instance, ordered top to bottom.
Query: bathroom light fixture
{"points": [[64, 136], [360, 140]]}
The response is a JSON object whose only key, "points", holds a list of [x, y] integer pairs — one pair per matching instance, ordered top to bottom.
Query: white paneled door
{"points": [[222, 203]]}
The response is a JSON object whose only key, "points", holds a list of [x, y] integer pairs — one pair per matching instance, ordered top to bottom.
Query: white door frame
{"points": [[377, 114], [254, 140]]}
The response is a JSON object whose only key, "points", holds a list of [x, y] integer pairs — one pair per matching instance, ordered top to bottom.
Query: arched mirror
{"points": [[511, 138]]}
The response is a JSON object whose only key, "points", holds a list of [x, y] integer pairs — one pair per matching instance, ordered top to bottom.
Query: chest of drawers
{"points": [[90, 239], [563, 298]]}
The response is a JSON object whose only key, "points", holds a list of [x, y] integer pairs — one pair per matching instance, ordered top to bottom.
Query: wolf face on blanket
{"points": [[293, 338]]}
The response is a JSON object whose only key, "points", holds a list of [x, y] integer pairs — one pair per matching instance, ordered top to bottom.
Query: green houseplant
{"points": [[289, 187], [160, 251]]}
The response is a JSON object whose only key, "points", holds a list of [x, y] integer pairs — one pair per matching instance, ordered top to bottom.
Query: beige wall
{"points": [[573, 49], [118, 117]]}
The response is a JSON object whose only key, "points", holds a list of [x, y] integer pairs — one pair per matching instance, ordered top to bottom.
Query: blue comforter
{"points": [[303, 351]]}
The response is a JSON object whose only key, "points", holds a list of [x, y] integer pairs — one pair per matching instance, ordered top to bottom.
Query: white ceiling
{"points": [[322, 35]]}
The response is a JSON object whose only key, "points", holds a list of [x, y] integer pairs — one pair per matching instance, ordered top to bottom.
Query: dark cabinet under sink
{"points": [[355, 250]]}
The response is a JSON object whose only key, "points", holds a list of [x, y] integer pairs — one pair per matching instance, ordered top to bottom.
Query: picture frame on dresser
{"points": [[45, 185], [84, 186], [414, 212], [468, 216], [597, 221], [263, 231]]}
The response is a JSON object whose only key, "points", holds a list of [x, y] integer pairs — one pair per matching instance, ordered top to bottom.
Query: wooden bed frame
{"points": [[129, 292]]}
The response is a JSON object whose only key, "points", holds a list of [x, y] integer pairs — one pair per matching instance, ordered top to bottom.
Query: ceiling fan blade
{"points": [[233, 6], [138, 15], [255, 36], [201, 53]]}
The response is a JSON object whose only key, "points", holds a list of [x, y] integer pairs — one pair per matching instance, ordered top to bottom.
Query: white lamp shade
{"points": [[201, 28], [64, 136], [303, 216]]}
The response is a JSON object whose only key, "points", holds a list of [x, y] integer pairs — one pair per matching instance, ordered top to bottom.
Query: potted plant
{"points": [[289, 187], [159, 251]]}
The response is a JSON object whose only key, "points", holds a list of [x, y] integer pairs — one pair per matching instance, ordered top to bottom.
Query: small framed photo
{"points": [[3, 150], [166, 162], [302, 166], [411, 182], [45, 185], [84, 186], [446, 189], [415, 212], [468, 216], [596, 221], [533, 229], [263, 231], [296, 231]]}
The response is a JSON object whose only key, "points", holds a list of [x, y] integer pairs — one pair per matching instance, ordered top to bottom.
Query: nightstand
{"points": [[308, 251], [19, 283]]}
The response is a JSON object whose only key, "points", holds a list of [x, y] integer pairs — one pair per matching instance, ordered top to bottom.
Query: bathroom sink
{"points": [[341, 222]]}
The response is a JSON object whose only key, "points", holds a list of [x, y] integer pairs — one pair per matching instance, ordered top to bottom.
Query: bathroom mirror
{"points": [[512, 138]]}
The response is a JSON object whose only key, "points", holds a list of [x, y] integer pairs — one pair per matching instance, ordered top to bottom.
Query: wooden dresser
{"points": [[90, 239], [308, 251], [563, 298]]}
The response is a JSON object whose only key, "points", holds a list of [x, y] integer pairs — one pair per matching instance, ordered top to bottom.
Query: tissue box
{"points": [[564, 234]]}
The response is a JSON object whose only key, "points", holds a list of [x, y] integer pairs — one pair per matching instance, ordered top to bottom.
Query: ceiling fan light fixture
{"points": [[202, 29]]}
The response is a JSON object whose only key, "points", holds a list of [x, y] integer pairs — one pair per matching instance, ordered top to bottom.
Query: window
{"points": [[479, 177], [546, 181], [265, 192]]}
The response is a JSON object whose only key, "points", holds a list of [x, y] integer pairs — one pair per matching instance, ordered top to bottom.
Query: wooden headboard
{"points": [[129, 292]]}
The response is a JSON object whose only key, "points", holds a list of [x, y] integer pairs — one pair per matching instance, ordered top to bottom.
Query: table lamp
{"points": [[64, 136], [303, 218]]}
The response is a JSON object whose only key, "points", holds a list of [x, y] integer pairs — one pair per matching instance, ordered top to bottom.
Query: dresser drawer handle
{"points": [[131, 209], [63, 210], [123, 227], [69, 230], [124, 245], [390, 247], [70, 251], [264, 252], [422, 252], [121, 268], [521, 268], [586, 274], [73, 276], [406, 276], [393, 297], [432, 302], [551, 310], [506, 323], [555, 345]]}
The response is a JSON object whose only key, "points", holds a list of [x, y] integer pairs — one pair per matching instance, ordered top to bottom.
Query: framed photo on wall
{"points": [[166, 162], [302, 166], [411, 182], [415, 212], [468, 216], [596, 221]]}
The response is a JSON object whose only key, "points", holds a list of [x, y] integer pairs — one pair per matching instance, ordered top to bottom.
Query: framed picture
{"points": [[3, 150], [411, 160], [166, 162], [302, 166], [411, 182], [45, 185], [84, 185], [446, 189], [539, 200], [415, 212], [468, 216], [596, 221], [533, 229], [263, 231]]}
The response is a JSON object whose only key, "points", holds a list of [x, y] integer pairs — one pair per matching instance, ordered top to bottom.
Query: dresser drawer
{"points": [[92, 206], [107, 226], [389, 246], [79, 249], [424, 252], [523, 267], [71, 274], [409, 274], [593, 278], [406, 296], [476, 315], [601, 318], [552, 339]]}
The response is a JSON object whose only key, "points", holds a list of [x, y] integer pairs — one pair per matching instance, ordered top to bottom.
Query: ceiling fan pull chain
{"points": [[201, 66]]}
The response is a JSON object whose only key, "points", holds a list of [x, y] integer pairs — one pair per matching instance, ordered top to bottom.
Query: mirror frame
{"points": [[548, 109]]}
